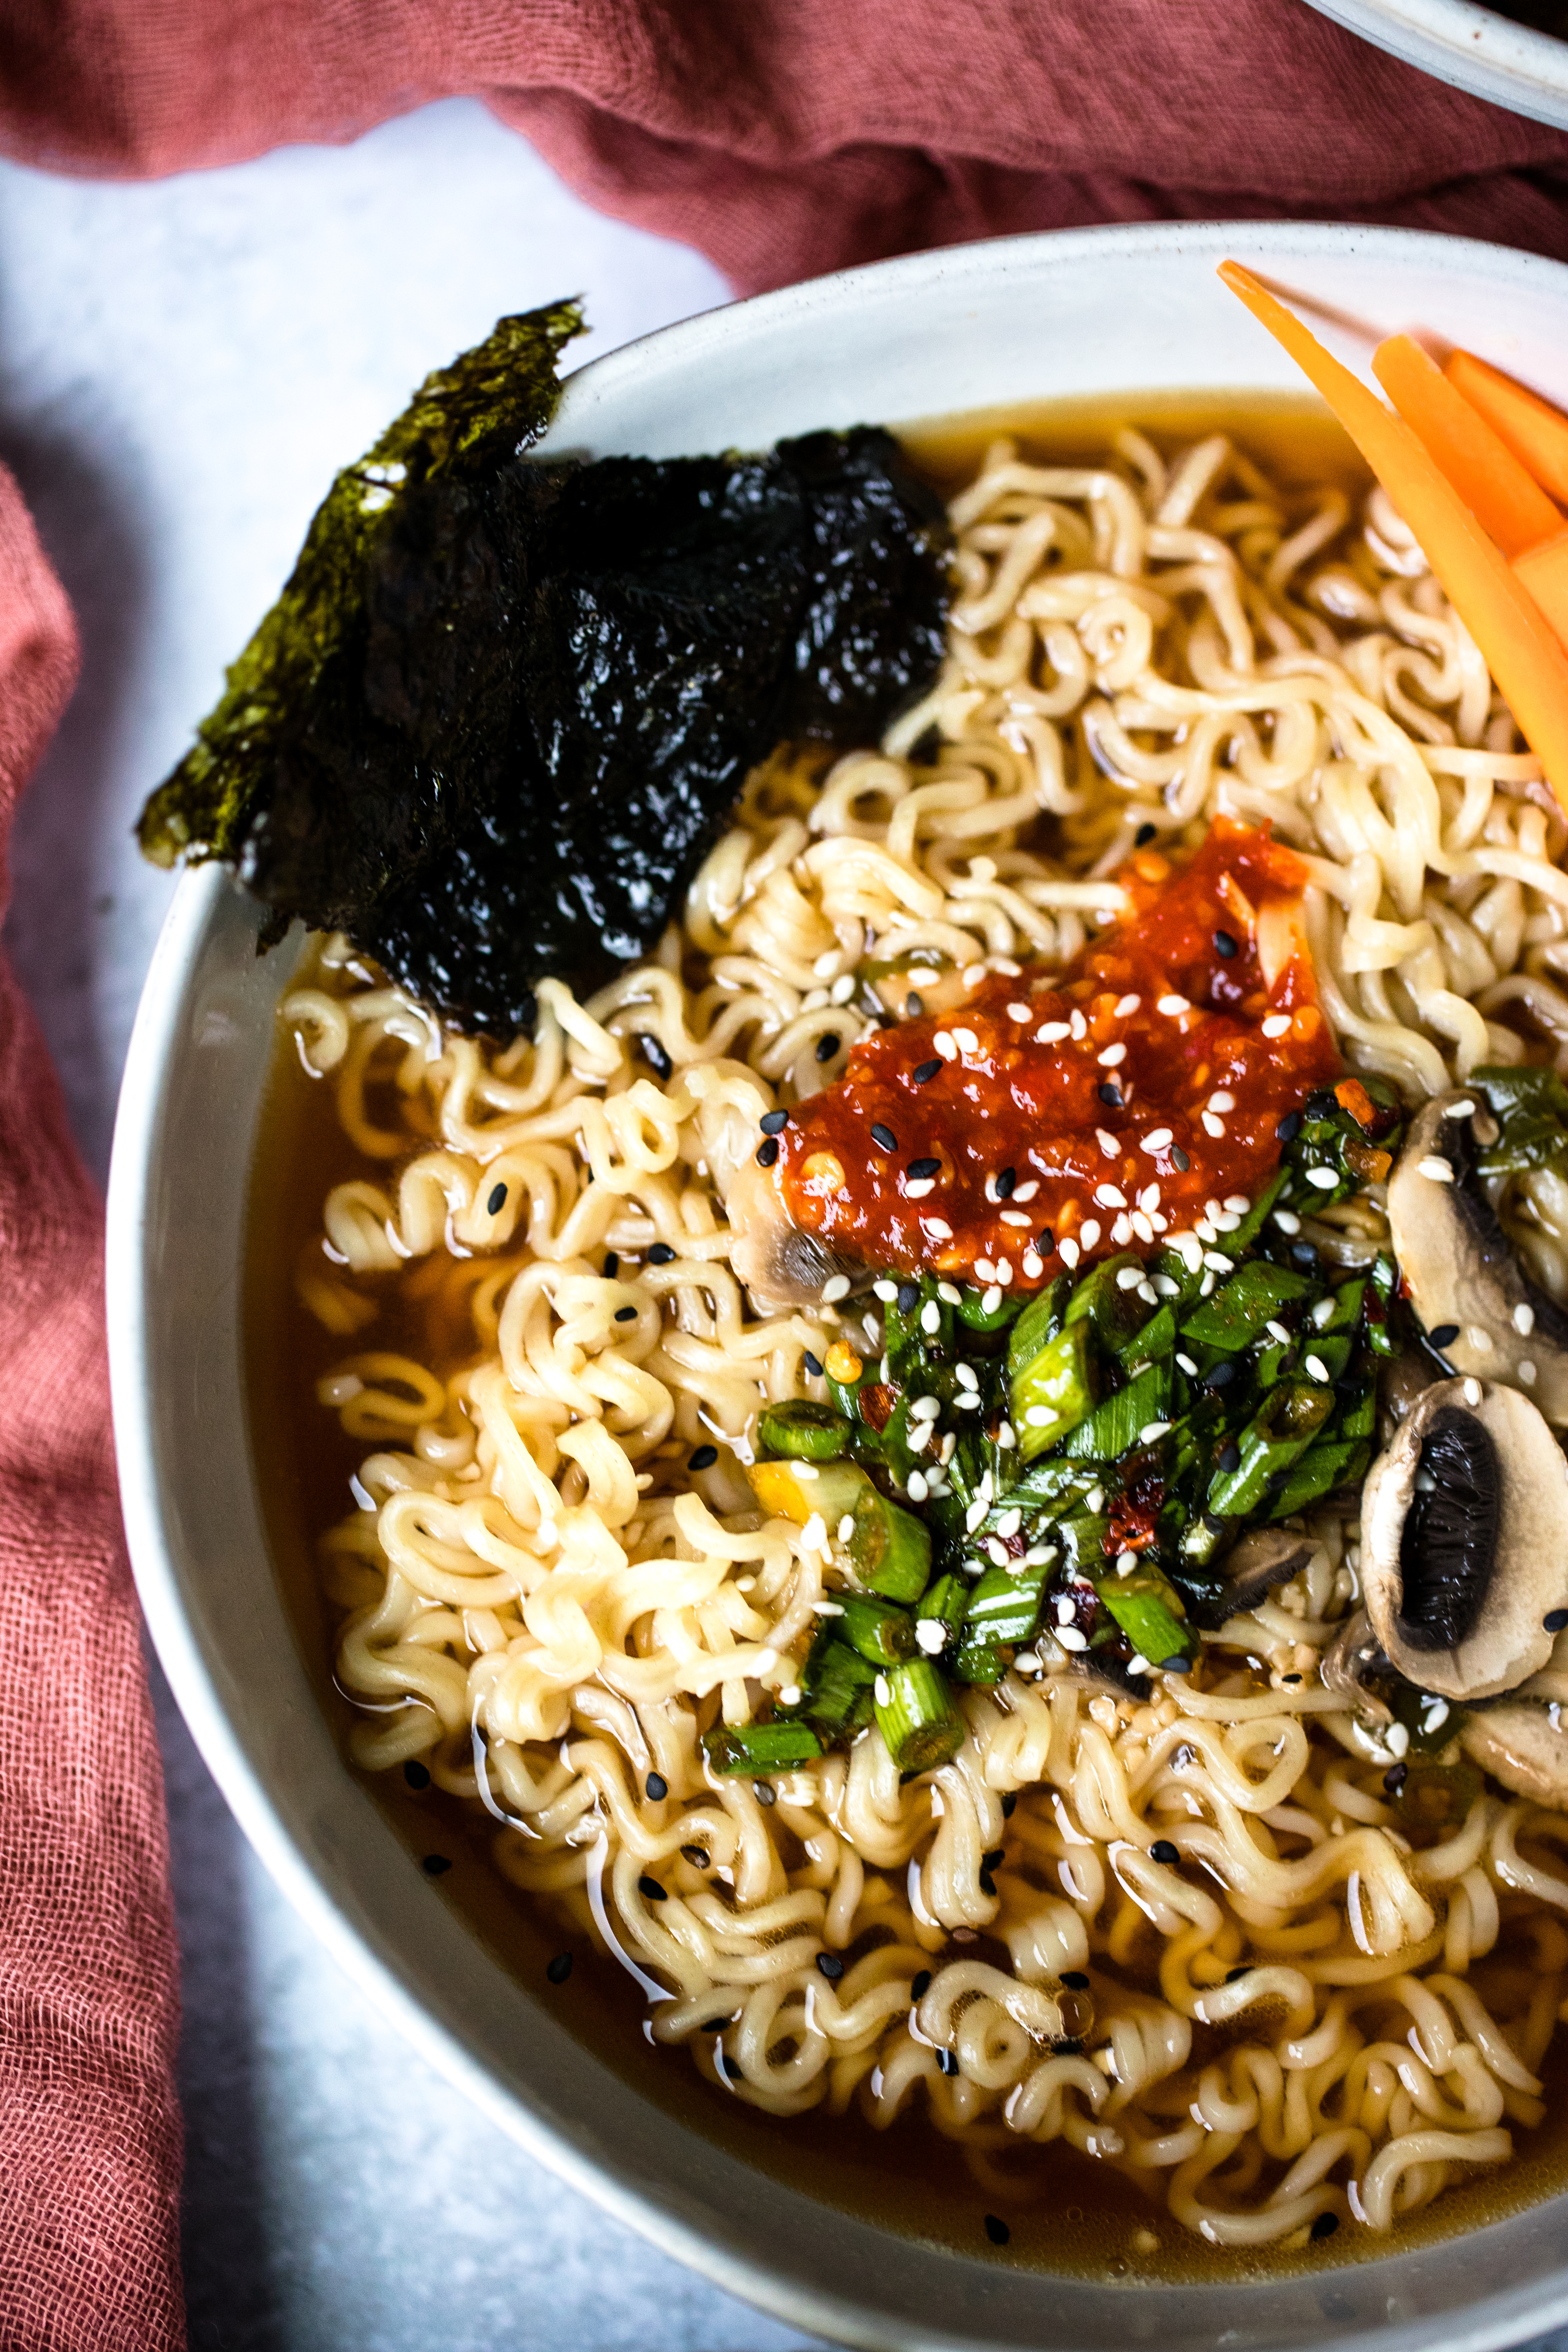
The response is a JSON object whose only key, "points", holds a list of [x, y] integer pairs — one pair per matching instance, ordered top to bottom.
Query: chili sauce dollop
{"points": [[1043, 1125]]}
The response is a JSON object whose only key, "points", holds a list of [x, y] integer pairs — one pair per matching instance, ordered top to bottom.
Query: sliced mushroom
{"points": [[780, 1263], [1477, 1304], [1406, 1378], [1464, 1534], [1261, 1561], [1355, 1655], [1523, 1747]]}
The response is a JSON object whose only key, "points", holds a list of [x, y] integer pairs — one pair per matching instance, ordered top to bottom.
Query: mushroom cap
{"points": [[780, 1263], [1461, 1270], [1260, 1559], [1481, 1631], [1522, 1745]]}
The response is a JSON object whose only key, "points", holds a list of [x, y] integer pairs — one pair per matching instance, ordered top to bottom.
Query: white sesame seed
{"points": [[826, 965], [973, 974], [842, 989], [1126, 1006], [1172, 1006], [1018, 1012], [1277, 1024], [1079, 1026], [1052, 1033], [966, 1041], [942, 1044], [1111, 1057], [1221, 1100], [1465, 1108], [1212, 1126], [1157, 1139], [1107, 1142], [1439, 1171], [1325, 1178], [917, 1187], [1022, 1192], [1109, 1197], [1149, 1199], [1237, 1203], [1016, 1217], [1287, 1220], [1226, 1221], [1142, 1227], [1121, 1230], [1205, 1230], [940, 1231], [1088, 1232], [1068, 1250], [1216, 1261], [1034, 1264], [983, 1268], [1004, 1272], [1128, 1277], [1165, 1285], [1207, 1286], [837, 1288], [885, 1291], [947, 1292], [1148, 1293], [991, 1300], [1322, 1314], [930, 1317], [1524, 1319], [1278, 1331], [1480, 1338], [1186, 1365], [1317, 1369], [1527, 1372], [965, 1373], [925, 1408], [1039, 1416], [1151, 1431], [1004, 1436], [807, 1470], [916, 1487], [1094, 1501], [973, 1515], [1010, 1522], [847, 1526], [814, 1535], [996, 1551], [1039, 1555], [1126, 1562], [1065, 1606], [828, 1608], [932, 1635], [1070, 1638], [1137, 1663], [881, 1691], [791, 1694], [1437, 1717], [1397, 1739]]}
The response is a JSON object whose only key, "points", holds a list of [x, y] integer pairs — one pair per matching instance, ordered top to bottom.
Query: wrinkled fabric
{"points": [[789, 137], [90, 2127]]}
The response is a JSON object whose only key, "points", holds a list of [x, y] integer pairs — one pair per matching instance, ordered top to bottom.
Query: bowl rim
{"points": [[1472, 47], [156, 1044]]}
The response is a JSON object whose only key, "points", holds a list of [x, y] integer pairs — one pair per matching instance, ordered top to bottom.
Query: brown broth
{"points": [[1080, 2217]]}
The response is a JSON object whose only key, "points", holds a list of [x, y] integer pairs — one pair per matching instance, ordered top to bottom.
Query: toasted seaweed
{"points": [[504, 705]]}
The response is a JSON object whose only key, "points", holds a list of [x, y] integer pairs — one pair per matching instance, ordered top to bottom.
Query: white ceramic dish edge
{"points": [[1472, 47]]}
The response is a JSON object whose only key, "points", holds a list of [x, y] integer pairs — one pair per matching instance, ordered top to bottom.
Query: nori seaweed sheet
{"points": [[503, 717]]}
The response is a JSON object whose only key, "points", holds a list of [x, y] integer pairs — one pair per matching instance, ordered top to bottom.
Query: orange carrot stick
{"points": [[1535, 431], [1507, 501], [1543, 571], [1515, 639]]}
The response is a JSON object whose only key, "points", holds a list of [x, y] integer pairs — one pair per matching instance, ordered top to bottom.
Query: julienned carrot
{"points": [[1535, 431], [1505, 499], [1543, 570], [1516, 641]]}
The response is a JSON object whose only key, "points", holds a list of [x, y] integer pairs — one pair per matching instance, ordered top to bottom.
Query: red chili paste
{"points": [[1101, 1111]]}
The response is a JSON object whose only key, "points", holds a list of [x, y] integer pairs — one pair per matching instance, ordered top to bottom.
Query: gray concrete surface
{"points": [[182, 366]]}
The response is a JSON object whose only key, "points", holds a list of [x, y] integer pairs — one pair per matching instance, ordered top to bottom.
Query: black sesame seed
{"points": [[1144, 836], [1225, 945], [913, 1006], [827, 1046], [654, 1054], [924, 1072], [1111, 1094], [1320, 1103], [773, 1122], [1289, 1127], [883, 1137], [768, 1152], [1180, 1157], [920, 1169], [1004, 1184], [497, 1201], [1047, 1244], [1304, 1252], [660, 1254], [612, 1265], [909, 1298], [626, 1314], [1444, 1335], [812, 1364], [1221, 1375], [703, 1457], [1230, 1458], [1276, 1480], [1554, 1620], [1176, 1665], [1289, 1678], [418, 1775], [1395, 1777], [657, 1786], [764, 1792], [1009, 1800], [1164, 1851], [697, 1856], [989, 1861], [434, 1865], [987, 1883], [651, 1891], [830, 1964], [559, 1968], [1234, 1976], [1075, 1979], [921, 1985], [713, 2025], [1070, 2046], [948, 2061], [1324, 2226], [996, 2229]]}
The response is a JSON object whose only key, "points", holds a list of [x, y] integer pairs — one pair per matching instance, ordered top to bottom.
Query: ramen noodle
{"points": [[1187, 1934]]}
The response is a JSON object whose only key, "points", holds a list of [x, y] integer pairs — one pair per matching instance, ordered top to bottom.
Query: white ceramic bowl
{"points": [[1475, 48], [1114, 310]]}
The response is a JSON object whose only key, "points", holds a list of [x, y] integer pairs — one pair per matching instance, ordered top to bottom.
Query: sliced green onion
{"points": [[1243, 1304], [1053, 1390], [1116, 1427], [810, 1433], [1277, 1436], [1320, 1469], [944, 1603], [1155, 1632], [881, 1633], [837, 1680], [921, 1727], [760, 1747]]}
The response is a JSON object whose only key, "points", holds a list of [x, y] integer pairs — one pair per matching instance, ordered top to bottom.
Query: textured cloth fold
{"points": [[789, 137], [89, 2128]]}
